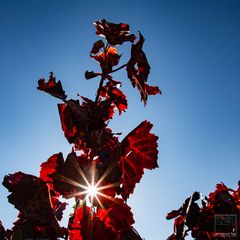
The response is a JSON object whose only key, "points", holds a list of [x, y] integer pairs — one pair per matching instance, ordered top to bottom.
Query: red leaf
{"points": [[114, 33], [97, 46], [107, 59], [89, 75], [139, 75], [52, 87], [152, 90], [114, 94], [119, 99], [68, 122], [84, 125], [139, 151], [108, 165], [50, 166], [67, 180], [30, 196], [221, 200], [58, 207], [173, 214], [117, 215], [88, 226], [179, 227], [75, 228], [31, 229], [101, 231], [75, 234]]}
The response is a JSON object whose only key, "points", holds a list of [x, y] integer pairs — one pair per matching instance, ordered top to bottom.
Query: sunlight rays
{"points": [[91, 189]]}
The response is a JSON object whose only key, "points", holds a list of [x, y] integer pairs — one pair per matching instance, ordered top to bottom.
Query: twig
{"points": [[115, 70]]}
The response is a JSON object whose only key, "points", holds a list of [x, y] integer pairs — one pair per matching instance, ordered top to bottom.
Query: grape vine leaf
{"points": [[114, 33], [138, 76], [52, 87], [139, 151], [29, 194], [117, 215]]}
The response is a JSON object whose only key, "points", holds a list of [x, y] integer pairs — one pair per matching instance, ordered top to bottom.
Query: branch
{"points": [[115, 70], [99, 88]]}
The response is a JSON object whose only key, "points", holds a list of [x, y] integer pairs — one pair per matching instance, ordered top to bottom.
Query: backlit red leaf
{"points": [[114, 33], [97, 46], [107, 59], [138, 70], [90, 75], [52, 87], [152, 90], [111, 92], [68, 121], [84, 125], [139, 151], [108, 165], [50, 166], [68, 180], [30, 196], [58, 207], [173, 214], [117, 215], [200, 220], [87, 225], [75, 228], [35, 230], [101, 231]]}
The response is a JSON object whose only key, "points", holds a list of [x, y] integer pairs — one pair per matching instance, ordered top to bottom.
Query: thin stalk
{"points": [[117, 69], [103, 75], [99, 88], [187, 212]]}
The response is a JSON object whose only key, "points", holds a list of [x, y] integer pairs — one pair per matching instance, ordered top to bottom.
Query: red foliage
{"points": [[114, 33], [97, 46], [107, 59], [139, 75], [52, 87], [111, 92], [84, 125], [139, 151], [97, 159], [50, 167], [30, 195], [117, 215], [200, 220]]}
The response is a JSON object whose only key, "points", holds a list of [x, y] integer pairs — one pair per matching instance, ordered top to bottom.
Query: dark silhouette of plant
{"points": [[100, 172], [201, 221]]}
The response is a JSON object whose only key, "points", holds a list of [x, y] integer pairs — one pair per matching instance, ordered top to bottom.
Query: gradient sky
{"points": [[194, 51]]}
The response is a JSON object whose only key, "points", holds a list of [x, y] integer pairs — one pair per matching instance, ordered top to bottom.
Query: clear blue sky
{"points": [[194, 51]]}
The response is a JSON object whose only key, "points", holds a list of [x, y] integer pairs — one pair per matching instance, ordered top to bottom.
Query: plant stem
{"points": [[115, 70], [103, 78], [99, 88], [85, 216]]}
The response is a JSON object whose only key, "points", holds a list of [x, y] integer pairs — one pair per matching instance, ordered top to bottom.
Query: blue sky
{"points": [[194, 51]]}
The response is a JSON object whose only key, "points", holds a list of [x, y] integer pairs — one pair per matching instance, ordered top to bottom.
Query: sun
{"points": [[92, 191]]}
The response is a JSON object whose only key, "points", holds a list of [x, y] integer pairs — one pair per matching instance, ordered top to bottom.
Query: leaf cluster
{"points": [[98, 158], [200, 219]]}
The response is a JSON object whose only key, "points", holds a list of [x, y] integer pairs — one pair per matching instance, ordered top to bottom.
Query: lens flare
{"points": [[92, 191]]}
